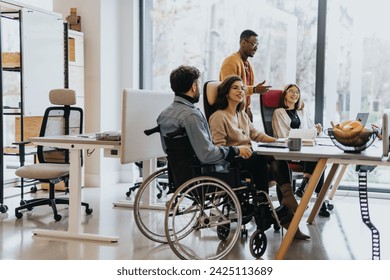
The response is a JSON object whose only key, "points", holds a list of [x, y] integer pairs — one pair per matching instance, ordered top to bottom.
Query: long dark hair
{"points": [[223, 91], [298, 106]]}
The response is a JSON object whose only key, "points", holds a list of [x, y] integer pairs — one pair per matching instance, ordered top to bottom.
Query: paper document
{"points": [[303, 133], [308, 136]]}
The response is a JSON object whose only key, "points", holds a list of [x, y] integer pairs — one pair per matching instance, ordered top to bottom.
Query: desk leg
{"points": [[148, 168], [315, 177], [338, 181], [321, 195], [75, 207]]}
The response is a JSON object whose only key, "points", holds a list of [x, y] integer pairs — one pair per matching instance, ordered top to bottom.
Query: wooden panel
{"points": [[72, 49], [10, 59], [32, 126], [58, 187]]}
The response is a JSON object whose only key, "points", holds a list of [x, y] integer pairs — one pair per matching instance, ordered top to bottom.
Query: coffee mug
{"points": [[294, 144]]}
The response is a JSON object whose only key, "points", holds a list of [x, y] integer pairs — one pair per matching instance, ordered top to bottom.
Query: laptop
{"points": [[363, 117]]}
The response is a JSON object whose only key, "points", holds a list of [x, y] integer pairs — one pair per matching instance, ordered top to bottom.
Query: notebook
{"points": [[308, 135]]}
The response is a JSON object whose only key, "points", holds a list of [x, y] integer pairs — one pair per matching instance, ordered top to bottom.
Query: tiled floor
{"points": [[342, 236]]}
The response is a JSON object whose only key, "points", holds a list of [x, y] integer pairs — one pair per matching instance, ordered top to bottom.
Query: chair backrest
{"points": [[210, 93], [268, 103], [60, 120], [181, 158]]}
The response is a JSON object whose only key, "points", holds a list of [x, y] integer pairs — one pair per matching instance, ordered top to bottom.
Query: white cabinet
{"points": [[76, 64]]}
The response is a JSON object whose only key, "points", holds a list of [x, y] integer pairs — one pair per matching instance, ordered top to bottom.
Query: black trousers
{"points": [[257, 167]]}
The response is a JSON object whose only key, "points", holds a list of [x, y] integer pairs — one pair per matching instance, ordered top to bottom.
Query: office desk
{"points": [[75, 144], [322, 155]]}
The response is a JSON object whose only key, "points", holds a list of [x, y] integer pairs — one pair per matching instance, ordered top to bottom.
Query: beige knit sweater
{"points": [[234, 130]]}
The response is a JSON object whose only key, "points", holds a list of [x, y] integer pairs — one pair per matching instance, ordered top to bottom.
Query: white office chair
{"points": [[53, 166]]}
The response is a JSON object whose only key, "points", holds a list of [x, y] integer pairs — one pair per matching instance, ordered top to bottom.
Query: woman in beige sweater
{"points": [[230, 126]]}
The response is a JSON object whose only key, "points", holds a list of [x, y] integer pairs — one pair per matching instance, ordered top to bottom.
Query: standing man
{"points": [[238, 64]]}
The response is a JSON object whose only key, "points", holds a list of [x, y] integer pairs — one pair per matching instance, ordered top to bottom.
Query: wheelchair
{"points": [[201, 215]]}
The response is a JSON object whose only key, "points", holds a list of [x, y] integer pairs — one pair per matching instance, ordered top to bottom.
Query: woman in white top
{"points": [[292, 115]]}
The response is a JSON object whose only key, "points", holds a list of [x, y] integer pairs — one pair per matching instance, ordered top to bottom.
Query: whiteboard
{"points": [[42, 58], [140, 109]]}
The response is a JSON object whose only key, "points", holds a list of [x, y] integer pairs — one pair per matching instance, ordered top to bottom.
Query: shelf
{"points": [[11, 69], [12, 111]]}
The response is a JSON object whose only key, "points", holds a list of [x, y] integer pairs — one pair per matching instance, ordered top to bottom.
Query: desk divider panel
{"points": [[140, 109]]}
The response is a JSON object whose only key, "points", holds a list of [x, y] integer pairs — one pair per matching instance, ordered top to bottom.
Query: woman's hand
{"points": [[319, 128], [245, 151]]}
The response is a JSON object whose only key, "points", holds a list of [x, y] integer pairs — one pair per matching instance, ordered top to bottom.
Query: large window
{"points": [[203, 32], [357, 65]]}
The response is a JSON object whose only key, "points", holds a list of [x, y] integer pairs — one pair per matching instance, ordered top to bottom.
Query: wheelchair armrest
{"points": [[152, 130]]}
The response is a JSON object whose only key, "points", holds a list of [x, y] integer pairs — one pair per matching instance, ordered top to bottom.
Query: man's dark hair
{"points": [[246, 34], [182, 78]]}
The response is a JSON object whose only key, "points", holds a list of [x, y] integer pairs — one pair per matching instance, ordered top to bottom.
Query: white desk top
{"points": [[74, 139], [325, 150]]}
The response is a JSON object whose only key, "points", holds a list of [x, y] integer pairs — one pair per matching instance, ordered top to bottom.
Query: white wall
{"points": [[42, 4], [110, 30], [109, 62]]}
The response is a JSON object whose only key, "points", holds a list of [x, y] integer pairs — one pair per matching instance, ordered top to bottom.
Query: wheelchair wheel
{"points": [[150, 204], [217, 216], [258, 243]]}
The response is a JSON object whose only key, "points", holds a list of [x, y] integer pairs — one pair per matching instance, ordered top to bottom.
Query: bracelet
{"points": [[254, 89]]}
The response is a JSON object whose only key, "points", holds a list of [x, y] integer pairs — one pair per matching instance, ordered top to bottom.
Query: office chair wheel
{"points": [[133, 188], [34, 189], [23, 202], [150, 205], [215, 205], [330, 206], [3, 208], [88, 211], [18, 215], [57, 217], [276, 227], [258, 243]]}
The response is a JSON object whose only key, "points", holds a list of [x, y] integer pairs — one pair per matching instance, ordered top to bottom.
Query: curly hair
{"points": [[183, 77], [223, 92]]}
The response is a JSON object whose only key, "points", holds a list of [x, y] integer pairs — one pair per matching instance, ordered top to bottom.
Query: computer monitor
{"points": [[385, 132]]}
